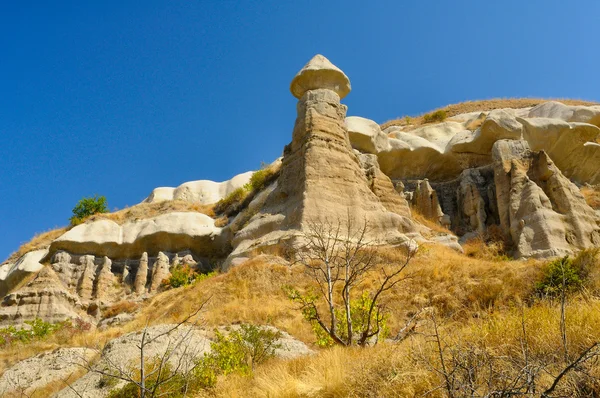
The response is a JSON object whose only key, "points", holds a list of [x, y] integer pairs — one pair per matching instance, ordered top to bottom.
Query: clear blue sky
{"points": [[119, 97]]}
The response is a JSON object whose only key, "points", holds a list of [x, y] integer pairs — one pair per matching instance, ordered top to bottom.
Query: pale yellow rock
{"points": [[319, 73], [542, 212], [176, 231], [160, 271], [141, 275]]}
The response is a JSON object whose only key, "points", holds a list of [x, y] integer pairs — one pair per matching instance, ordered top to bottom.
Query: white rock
{"points": [[366, 135], [202, 191], [174, 232], [13, 273]]}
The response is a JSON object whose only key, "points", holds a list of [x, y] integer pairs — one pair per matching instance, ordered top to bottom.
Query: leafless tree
{"points": [[338, 257]]}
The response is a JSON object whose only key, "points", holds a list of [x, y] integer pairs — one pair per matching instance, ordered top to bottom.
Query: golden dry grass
{"points": [[483, 105], [592, 196], [149, 210], [431, 224], [39, 241], [477, 301], [406, 369]]}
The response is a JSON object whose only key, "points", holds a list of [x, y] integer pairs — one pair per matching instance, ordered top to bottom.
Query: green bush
{"points": [[437, 116], [258, 181], [88, 207], [558, 274], [184, 275], [359, 314], [38, 330], [242, 349], [237, 351]]}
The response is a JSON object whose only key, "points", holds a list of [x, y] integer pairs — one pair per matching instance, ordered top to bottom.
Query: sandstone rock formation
{"points": [[321, 177], [425, 200], [539, 208], [176, 231], [160, 271], [12, 274], [141, 276], [44, 297]]}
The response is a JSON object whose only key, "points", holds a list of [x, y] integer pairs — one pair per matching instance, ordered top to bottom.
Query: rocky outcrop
{"points": [[366, 135], [567, 144], [321, 177], [203, 191], [425, 200], [542, 212], [176, 231], [160, 271], [12, 274], [141, 276], [105, 280], [44, 297], [188, 344], [31, 374]]}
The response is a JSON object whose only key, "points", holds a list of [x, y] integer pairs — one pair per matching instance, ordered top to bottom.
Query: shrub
{"points": [[437, 116], [259, 179], [88, 207], [558, 274], [184, 275], [38, 330], [241, 350]]}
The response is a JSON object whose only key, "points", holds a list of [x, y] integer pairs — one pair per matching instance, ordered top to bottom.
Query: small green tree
{"points": [[88, 207], [559, 276]]}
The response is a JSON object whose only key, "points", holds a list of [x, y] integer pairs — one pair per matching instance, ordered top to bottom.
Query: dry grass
{"points": [[482, 105], [592, 196], [149, 210], [431, 224], [39, 241], [477, 302], [119, 308], [406, 369]]}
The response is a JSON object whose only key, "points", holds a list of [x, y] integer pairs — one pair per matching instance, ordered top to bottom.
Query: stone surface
{"points": [[320, 73], [366, 135], [565, 143], [321, 179], [203, 191], [426, 202], [542, 212], [174, 232], [160, 271], [12, 274], [141, 276], [44, 297], [190, 344], [31, 374]]}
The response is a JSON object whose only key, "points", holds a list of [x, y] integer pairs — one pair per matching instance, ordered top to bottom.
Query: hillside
{"points": [[456, 257]]}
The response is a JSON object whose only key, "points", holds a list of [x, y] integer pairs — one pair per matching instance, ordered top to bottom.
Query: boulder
{"points": [[366, 135], [12, 274]]}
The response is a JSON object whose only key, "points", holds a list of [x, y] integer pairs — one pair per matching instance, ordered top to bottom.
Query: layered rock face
{"points": [[440, 152], [321, 177], [539, 208], [81, 286]]}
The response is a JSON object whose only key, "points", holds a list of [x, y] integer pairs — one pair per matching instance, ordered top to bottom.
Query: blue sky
{"points": [[119, 97]]}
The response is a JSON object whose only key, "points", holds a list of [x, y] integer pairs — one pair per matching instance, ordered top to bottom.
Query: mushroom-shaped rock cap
{"points": [[320, 73]]}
